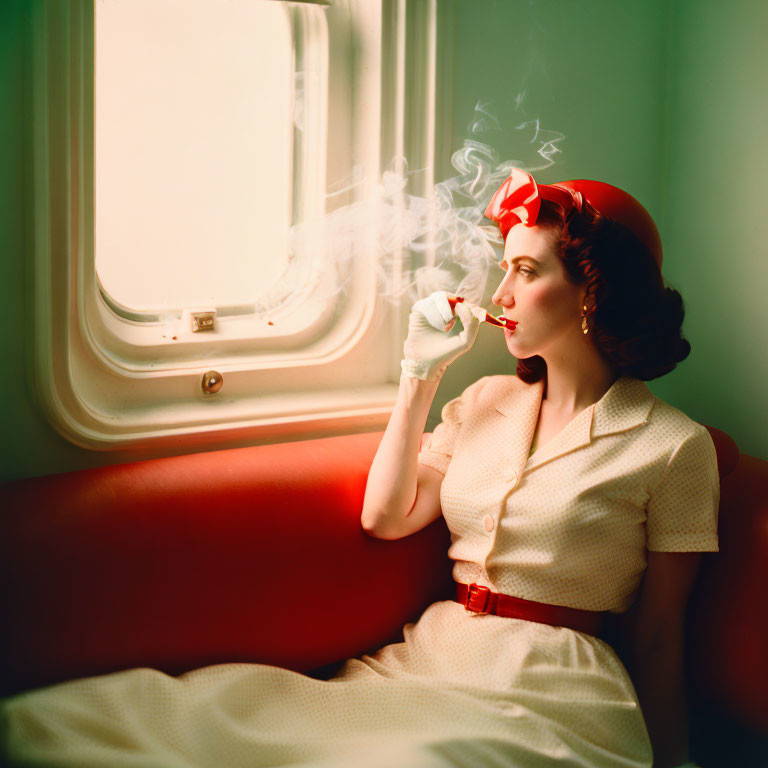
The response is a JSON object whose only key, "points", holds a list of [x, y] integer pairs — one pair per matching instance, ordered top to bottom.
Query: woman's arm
{"points": [[403, 496], [657, 641]]}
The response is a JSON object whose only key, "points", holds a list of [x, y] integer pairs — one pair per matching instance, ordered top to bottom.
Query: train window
{"points": [[189, 160]]}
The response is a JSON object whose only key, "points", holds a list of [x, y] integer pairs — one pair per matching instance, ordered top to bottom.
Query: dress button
{"points": [[488, 523]]}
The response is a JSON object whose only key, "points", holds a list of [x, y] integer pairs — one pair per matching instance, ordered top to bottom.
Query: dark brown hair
{"points": [[634, 321]]}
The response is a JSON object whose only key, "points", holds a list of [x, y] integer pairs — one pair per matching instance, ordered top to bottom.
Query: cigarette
{"points": [[481, 314]]}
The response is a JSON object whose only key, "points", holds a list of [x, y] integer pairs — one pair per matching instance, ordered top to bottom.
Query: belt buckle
{"points": [[477, 599]]}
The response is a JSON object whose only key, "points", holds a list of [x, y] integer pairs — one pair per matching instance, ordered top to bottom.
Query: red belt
{"points": [[477, 599]]}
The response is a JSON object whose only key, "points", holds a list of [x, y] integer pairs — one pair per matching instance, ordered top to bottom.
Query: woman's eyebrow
{"points": [[517, 258]]}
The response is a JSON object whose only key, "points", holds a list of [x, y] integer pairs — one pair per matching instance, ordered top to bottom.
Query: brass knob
{"points": [[212, 382]]}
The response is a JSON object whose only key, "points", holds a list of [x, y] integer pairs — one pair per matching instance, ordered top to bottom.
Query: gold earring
{"points": [[584, 327]]}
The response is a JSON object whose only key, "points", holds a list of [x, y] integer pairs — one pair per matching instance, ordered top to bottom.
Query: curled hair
{"points": [[634, 321]]}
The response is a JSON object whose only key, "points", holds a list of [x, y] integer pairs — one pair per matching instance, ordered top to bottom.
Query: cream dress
{"points": [[569, 524]]}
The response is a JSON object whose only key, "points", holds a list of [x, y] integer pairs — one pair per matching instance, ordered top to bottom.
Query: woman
{"points": [[581, 453], [563, 487]]}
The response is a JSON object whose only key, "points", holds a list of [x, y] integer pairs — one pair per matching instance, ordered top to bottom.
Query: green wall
{"points": [[664, 99], [716, 177]]}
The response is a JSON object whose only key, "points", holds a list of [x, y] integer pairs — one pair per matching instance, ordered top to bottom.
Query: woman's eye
{"points": [[523, 270]]}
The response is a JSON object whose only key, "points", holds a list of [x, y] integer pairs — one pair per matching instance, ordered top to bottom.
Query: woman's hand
{"points": [[435, 339]]}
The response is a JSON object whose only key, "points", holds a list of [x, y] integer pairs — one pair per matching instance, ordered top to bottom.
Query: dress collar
{"points": [[626, 405]]}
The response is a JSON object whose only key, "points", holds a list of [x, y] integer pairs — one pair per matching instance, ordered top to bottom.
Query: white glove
{"points": [[435, 340]]}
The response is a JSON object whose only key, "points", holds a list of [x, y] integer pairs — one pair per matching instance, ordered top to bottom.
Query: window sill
{"points": [[221, 419]]}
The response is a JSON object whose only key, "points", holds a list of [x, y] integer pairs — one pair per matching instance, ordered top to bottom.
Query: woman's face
{"points": [[537, 294]]}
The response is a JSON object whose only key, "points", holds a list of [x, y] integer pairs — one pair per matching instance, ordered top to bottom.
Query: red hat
{"points": [[518, 199]]}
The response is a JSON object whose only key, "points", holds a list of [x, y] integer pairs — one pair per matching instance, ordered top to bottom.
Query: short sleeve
{"points": [[439, 449], [682, 511]]}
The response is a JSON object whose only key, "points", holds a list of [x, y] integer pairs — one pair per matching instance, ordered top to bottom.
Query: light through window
{"points": [[194, 140]]}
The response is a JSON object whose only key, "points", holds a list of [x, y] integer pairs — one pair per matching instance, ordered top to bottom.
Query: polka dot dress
{"points": [[568, 524]]}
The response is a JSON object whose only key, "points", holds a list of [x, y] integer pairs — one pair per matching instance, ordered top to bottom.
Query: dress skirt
{"points": [[461, 690]]}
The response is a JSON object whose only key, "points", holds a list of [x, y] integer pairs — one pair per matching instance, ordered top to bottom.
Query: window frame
{"points": [[102, 399]]}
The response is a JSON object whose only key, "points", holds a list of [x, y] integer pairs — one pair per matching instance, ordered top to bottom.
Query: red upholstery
{"points": [[727, 451], [251, 554], [257, 554], [728, 626]]}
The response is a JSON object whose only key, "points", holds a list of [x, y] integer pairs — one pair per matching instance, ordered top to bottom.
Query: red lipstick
{"points": [[499, 322]]}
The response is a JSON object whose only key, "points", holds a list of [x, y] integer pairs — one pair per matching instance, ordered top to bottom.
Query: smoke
{"points": [[419, 244]]}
